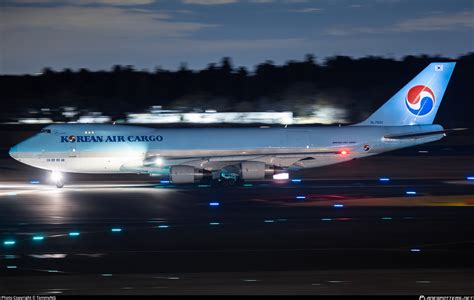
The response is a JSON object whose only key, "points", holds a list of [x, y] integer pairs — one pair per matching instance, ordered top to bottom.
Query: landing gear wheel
{"points": [[230, 182], [59, 184]]}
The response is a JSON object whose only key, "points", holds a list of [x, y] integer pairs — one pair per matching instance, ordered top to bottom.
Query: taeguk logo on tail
{"points": [[420, 100]]}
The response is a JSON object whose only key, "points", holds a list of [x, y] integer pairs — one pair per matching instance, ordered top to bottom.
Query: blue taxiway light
{"points": [[470, 178], [384, 179], [296, 180], [164, 181], [34, 182], [248, 184], [410, 192], [300, 197], [214, 203], [338, 205], [387, 218], [326, 219], [269, 221], [214, 223], [163, 226], [116, 229], [74, 233], [38, 238], [9, 243], [415, 250], [12, 267]]}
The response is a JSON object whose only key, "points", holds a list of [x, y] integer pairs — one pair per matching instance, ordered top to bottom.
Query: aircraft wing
{"points": [[155, 162]]}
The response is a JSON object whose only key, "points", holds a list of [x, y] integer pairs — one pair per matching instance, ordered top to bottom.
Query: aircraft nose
{"points": [[13, 152]]}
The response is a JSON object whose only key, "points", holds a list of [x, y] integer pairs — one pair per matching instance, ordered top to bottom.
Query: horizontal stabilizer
{"points": [[420, 134]]}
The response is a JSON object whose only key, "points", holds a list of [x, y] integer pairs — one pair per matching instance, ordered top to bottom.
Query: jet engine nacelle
{"points": [[255, 170], [185, 174]]}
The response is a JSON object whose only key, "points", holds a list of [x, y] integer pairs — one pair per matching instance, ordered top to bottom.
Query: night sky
{"points": [[97, 34]]}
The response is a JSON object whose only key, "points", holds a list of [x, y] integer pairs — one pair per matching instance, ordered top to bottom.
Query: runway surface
{"points": [[313, 236]]}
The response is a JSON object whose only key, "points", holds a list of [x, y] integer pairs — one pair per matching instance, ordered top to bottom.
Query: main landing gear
{"points": [[227, 179]]}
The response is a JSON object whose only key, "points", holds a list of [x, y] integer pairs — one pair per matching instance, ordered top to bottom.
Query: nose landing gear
{"points": [[57, 179]]}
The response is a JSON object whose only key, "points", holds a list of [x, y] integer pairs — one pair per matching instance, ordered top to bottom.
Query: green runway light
{"points": [[214, 223], [163, 226], [116, 229], [74, 234], [38, 238]]}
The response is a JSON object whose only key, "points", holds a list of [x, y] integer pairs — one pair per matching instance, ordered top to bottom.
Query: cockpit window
{"points": [[45, 131]]}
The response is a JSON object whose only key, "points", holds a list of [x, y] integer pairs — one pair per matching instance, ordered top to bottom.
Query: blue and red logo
{"points": [[420, 100]]}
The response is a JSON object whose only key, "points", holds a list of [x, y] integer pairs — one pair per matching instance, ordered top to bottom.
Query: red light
{"points": [[344, 152]]}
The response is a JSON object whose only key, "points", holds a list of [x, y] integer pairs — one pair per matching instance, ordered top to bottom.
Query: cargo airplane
{"points": [[229, 155]]}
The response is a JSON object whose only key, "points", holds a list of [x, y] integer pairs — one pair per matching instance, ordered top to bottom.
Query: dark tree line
{"points": [[359, 85]]}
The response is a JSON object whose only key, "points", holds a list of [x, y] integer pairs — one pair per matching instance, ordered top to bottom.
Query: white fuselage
{"points": [[128, 149]]}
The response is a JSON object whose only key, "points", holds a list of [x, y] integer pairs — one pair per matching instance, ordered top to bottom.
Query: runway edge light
{"points": [[38, 238]]}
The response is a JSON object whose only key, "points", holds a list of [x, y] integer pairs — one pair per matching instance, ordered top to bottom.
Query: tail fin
{"points": [[418, 101]]}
